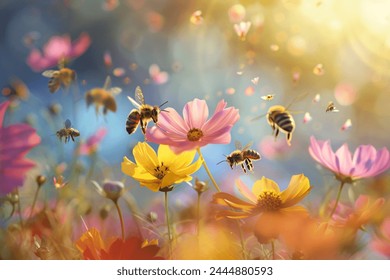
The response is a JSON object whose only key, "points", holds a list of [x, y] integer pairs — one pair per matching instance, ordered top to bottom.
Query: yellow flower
{"points": [[161, 170], [264, 197], [277, 209]]}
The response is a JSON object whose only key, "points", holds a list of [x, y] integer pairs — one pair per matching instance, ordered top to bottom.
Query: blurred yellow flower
{"points": [[161, 170]]}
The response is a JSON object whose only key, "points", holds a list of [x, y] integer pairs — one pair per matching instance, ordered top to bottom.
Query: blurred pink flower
{"points": [[56, 49], [195, 130], [93, 141], [15, 142], [366, 161], [362, 212], [381, 244]]}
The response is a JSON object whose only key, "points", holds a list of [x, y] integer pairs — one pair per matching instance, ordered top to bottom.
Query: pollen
{"points": [[194, 134], [269, 201]]}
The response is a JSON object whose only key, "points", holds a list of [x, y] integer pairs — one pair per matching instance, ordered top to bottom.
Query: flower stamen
{"points": [[194, 134], [269, 201]]}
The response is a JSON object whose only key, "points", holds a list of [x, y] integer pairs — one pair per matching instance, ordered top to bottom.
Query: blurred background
{"points": [[305, 52]]}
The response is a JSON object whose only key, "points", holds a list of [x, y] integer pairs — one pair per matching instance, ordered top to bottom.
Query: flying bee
{"points": [[62, 77], [103, 97], [268, 97], [331, 108], [143, 114], [280, 119], [68, 132], [242, 156]]}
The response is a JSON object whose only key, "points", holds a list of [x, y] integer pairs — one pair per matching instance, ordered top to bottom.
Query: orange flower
{"points": [[276, 207], [93, 247]]}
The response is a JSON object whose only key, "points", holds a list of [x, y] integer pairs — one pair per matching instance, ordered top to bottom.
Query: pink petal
{"points": [[80, 45], [57, 48], [37, 62], [160, 78], [3, 108], [195, 113], [226, 117], [172, 122], [157, 135], [221, 136], [18, 139], [186, 146], [316, 151], [329, 157], [344, 160], [381, 163], [12, 174]]}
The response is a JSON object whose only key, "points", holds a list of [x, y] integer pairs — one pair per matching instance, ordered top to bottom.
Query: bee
{"points": [[62, 77], [103, 97], [268, 97], [331, 108], [143, 114], [280, 119], [68, 132], [242, 156]]}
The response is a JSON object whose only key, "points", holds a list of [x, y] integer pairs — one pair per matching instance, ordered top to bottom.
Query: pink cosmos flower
{"points": [[56, 49], [194, 130], [15, 142], [93, 142], [365, 162], [382, 244]]}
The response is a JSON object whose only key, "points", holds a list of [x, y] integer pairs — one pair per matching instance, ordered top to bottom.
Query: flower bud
{"points": [[40, 179], [200, 186], [113, 189]]}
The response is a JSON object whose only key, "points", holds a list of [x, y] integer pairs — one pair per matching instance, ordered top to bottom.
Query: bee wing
{"points": [[49, 73], [107, 83], [115, 90], [139, 96], [295, 99], [136, 105], [259, 117], [68, 124], [238, 145], [247, 146]]}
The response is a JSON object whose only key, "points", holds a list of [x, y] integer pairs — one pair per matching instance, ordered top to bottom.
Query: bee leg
{"points": [[142, 126], [276, 133], [72, 137], [289, 137], [249, 164], [243, 168]]}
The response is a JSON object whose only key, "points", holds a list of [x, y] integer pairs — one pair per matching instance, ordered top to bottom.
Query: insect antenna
{"points": [[163, 105], [222, 161]]}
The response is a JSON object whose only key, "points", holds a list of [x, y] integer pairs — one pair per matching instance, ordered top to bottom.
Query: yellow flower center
{"points": [[194, 134], [161, 171], [269, 201]]}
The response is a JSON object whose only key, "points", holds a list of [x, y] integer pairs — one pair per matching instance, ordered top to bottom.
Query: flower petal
{"points": [[80, 45], [3, 108], [195, 113], [226, 117], [172, 123], [145, 156], [344, 160], [187, 170], [263, 185], [297, 189], [245, 191], [226, 199], [231, 214]]}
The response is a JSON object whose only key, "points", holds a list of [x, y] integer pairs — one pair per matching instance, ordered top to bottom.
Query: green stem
{"points": [[208, 170], [337, 199], [34, 201], [120, 218], [168, 222]]}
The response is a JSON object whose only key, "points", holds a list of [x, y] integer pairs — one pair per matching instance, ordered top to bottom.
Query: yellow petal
{"points": [[165, 155], [145, 156], [184, 159], [132, 170], [186, 170], [171, 179], [264, 185], [153, 186], [297, 189], [226, 199], [295, 210], [231, 215]]}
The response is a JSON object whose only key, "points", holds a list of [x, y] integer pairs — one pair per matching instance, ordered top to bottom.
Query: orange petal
{"points": [[297, 189], [244, 190], [226, 199], [231, 215], [90, 244]]}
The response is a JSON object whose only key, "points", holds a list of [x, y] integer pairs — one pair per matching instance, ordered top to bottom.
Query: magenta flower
{"points": [[58, 48], [194, 130], [15, 142], [93, 142], [365, 162]]}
